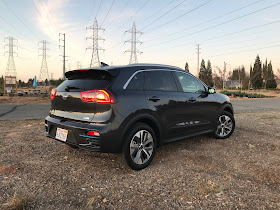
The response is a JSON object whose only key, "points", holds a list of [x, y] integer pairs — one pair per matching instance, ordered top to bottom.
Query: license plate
{"points": [[61, 134]]}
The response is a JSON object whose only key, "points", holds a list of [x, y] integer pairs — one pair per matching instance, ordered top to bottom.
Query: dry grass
{"points": [[18, 202]]}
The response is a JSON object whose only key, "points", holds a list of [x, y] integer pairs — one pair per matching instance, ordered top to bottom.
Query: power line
{"points": [[98, 8], [160, 9], [108, 12], [188, 12], [136, 13], [164, 14], [18, 17], [218, 17], [216, 25], [51, 31], [224, 35], [272, 46]]}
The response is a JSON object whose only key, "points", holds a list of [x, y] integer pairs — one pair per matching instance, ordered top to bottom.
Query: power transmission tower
{"points": [[63, 40], [95, 48], [133, 50], [198, 52], [11, 68], [44, 74]]}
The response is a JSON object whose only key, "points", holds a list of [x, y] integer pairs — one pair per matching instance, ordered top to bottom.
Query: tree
{"points": [[187, 67], [202, 70], [205, 73], [265, 73], [256, 74], [240, 75], [270, 80], [209, 81]]}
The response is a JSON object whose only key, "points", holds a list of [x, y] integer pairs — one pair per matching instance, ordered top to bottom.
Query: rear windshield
{"points": [[85, 80]]}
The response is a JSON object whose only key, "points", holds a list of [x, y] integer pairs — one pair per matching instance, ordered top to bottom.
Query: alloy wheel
{"points": [[225, 126], [141, 147]]}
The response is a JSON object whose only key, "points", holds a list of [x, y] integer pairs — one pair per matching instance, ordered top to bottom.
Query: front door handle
{"points": [[154, 99], [192, 100]]}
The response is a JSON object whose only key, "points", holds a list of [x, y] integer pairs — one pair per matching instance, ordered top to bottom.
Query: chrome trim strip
{"points": [[130, 78]]}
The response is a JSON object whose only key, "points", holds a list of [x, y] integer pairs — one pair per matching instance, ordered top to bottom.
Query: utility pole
{"points": [[63, 40], [95, 48], [133, 49], [198, 52], [78, 65], [44, 67], [11, 68], [224, 74]]}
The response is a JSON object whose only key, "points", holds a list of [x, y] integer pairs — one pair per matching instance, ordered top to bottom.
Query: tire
{"points": [[225, 125], [139, 152]]}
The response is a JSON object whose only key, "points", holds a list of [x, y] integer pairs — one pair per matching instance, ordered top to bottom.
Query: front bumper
{"points": [[107, 142]]}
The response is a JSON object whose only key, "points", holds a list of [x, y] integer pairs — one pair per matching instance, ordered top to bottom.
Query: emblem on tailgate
{"points": [[64, 96]]}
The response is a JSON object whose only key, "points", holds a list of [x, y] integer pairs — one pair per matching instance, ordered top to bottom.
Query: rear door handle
{"points": [[154, 99], [192, 100]]}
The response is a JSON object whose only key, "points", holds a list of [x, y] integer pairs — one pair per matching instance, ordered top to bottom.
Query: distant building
{"points": [[278, 83], [232, 84]]}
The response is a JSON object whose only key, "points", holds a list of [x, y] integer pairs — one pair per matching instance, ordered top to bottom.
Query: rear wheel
{"points": [[226, 125], [140, 146]]}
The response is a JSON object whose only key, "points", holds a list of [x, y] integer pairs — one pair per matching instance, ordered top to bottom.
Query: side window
{"points": [[160, 80], [137, 82], [189, 84]]}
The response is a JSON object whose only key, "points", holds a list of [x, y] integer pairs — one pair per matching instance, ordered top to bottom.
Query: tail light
{"points": [[53, 93], [98, 96], [93, 133]]}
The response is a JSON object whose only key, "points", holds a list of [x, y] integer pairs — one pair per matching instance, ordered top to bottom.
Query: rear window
{"points": [[85, 80], [137, 82]]}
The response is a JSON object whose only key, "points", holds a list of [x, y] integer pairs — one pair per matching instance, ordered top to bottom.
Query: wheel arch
{"points": [[228, 108], [146, 119]]}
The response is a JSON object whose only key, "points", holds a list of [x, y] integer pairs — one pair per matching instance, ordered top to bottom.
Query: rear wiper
{"points": [[72, 87]]}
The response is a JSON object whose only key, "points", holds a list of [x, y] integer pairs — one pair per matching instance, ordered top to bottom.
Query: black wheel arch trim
{"points": [[140, 118]]}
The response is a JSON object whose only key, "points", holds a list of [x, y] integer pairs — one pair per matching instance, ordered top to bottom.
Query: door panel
{"points": [[163, 97], [200, 107]]}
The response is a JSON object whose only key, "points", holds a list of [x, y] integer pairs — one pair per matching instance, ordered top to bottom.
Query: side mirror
{"points": [[211, 90]]}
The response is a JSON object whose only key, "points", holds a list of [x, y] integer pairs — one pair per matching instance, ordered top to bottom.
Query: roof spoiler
{"points": [[112, 72]]}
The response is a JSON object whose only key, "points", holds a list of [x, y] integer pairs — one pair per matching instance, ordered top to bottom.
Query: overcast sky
{"points": [[234, 31]]}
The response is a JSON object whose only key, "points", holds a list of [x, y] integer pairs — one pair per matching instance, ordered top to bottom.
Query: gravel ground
{"points": [[36, 99], [242, 172]]}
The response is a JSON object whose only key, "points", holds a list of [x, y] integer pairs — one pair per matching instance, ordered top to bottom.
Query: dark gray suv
{"points": [[134, 109]]}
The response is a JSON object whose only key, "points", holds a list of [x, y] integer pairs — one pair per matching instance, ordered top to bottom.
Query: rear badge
{"points": [[64, 97]]}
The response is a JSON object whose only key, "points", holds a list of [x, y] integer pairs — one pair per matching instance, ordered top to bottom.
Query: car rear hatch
{"points": [[75, 98]]}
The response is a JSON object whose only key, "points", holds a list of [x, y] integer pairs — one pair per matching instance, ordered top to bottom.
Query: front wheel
{"points": [[225, 126], [140, 146]]}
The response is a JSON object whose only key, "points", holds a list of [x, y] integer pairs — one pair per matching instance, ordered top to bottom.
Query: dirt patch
{"points": [[24, 99], [8, 169], [241, 172]]}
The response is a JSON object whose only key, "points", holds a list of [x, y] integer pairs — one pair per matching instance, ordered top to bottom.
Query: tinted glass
{"points": [[85, 80], [160, 80], [137, 82], [189, 84]]}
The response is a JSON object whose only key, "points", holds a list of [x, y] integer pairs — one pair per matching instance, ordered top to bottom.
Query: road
{"points": [[39, 111]]}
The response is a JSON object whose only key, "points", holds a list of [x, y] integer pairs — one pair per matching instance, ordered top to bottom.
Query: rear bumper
{"points": [[108, 142]]}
